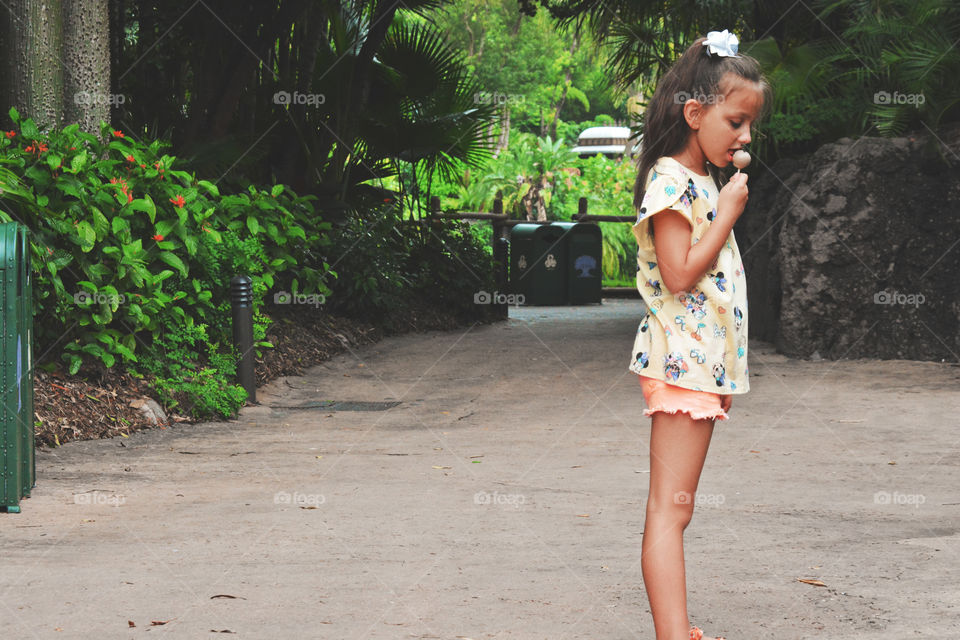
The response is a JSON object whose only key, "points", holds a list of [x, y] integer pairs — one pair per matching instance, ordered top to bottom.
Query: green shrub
{"points": [[133, 255]]}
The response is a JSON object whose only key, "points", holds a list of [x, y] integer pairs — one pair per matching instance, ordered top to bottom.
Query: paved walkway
{"points": [[502, 498]]}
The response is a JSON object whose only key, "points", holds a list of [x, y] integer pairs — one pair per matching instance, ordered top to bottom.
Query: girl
{"points": [[691, 348]]}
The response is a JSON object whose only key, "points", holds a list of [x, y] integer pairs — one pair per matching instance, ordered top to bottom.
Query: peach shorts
{"points": [[701, 405]]}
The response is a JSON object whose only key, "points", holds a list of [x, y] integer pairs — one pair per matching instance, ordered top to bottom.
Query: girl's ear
{"points": [[692, 113]]}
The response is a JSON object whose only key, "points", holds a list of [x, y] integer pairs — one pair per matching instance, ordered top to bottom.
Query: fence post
{"points": [[581, 208], [500, 257]]}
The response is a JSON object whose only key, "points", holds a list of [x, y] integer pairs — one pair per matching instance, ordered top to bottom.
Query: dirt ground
{"points": [[503, 497]]}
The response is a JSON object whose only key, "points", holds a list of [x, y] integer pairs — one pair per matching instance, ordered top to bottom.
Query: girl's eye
{"points": [[736, 125]]}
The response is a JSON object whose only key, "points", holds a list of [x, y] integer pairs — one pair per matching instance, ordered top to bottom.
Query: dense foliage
{"points": [[133, 255]]}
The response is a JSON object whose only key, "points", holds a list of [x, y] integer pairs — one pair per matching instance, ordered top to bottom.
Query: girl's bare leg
{"points": [[678, 447]]}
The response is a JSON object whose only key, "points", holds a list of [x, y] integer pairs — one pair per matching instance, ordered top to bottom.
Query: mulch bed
{"points": [[101, 403]]}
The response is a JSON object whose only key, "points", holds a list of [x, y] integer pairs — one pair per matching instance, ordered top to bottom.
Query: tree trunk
{"points": [[86, 53], [33, 73], [568, 78]]}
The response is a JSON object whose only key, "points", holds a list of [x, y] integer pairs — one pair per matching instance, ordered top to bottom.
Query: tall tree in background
{"points": [[86, 56], [56, 69], [32, 78]]}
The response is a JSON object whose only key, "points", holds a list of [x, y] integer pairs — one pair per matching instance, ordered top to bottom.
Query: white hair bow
{"points": [[722, 43]]}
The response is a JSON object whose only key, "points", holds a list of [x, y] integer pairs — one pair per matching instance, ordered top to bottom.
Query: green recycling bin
{"points": [[538, 261], [584, 266], [18, 472]]}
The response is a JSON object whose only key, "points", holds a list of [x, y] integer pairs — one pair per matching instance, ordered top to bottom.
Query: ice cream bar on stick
{"points": [[741, 159]]}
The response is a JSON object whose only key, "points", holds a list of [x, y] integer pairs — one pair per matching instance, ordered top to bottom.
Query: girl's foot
{"points": [[697, 634]]}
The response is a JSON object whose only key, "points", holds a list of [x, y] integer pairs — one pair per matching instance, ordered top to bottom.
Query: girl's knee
{"points": [[674, 511]]}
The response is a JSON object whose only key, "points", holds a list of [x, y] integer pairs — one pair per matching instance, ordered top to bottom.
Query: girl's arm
{"points": [[682, 265]]}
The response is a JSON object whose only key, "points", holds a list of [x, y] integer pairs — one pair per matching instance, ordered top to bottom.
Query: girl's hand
{"points": [[733, 197], [726, 403]]}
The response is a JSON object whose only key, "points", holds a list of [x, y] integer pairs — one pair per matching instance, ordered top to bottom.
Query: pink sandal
{"points": [[697, 634]]}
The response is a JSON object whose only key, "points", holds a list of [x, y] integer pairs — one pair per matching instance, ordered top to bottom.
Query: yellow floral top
{"points": [[693, 339]]}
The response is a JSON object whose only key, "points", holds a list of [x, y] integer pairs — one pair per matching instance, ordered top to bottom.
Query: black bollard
{"points": [[241, 299]]}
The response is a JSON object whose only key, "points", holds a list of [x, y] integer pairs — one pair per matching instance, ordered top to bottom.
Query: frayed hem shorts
{"points": [[668, 398]]}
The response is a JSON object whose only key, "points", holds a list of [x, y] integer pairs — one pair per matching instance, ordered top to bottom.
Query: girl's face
{"points": [[722, 128]]}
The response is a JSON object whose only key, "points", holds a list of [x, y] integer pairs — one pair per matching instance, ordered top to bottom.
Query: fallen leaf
{"points": [[754, 451], [892, 462], [438, 467], [309, 507], [583, 515], [816, 583], [227, 595], [158, 623], [131, 624], [222, 631]]}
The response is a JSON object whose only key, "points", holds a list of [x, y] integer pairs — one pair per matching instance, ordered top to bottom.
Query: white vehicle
{"points": [[612, 142]]}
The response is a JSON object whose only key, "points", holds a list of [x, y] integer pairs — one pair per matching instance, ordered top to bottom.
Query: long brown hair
{"points": [[694, 75]]}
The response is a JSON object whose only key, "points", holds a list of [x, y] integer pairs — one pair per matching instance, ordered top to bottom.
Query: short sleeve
{"points": [[664, 191]]}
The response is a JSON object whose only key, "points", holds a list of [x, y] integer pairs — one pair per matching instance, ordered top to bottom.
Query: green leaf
{"points": [[14, 114], [29, 129], [54, 161], [78, 162], [209, 186], [276, 190], [43, 201], [144, 204], [100, 223], [253, 225], [164, 227], [121, 228], [87, 235], [190, 242], [175, 262], [99, 271], [125, 352], [75, 362]]}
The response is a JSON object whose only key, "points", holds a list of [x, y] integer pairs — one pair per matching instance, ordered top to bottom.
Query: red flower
{"points": [[11, 133], [118, 134], [42, 147], [29, 149], [130, 159], [178, 201], [158, 237]]}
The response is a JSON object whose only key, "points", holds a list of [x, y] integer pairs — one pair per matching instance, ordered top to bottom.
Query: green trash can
{"points": [[538, 261], [584, 262], [17, 461]]}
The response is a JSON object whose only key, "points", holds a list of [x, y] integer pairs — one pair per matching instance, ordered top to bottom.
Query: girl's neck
{"points": [[684, 158]]}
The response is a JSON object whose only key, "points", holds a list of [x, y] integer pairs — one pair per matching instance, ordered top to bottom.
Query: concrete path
{"points": [[502, 498]]}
